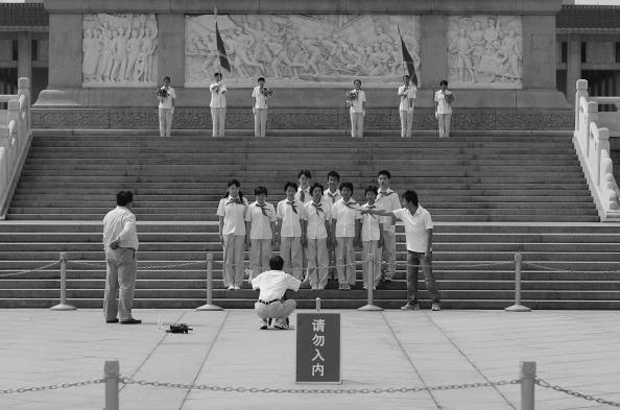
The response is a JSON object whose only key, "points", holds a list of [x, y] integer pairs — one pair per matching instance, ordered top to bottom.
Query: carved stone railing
{"points": [[15, 137], [592, 145]]}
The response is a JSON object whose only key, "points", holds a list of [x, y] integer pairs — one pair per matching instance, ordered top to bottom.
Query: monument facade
{"points": [[106, 59]]}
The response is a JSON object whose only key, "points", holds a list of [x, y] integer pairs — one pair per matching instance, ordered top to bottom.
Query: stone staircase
{"points": [[490, 196]]}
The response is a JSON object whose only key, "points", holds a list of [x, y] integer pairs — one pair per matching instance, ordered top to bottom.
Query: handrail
{"points": [[15, 135], [592, 145]]}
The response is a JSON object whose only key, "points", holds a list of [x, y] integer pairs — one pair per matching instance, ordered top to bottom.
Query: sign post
{"points": [[318, 348]]}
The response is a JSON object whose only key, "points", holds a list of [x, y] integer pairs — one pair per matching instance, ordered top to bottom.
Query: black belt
{"points": [[269, 302]]}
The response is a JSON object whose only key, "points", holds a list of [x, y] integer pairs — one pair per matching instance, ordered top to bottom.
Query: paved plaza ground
{"points": [[577, 350]]}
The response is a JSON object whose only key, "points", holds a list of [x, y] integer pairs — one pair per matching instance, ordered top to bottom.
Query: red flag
{"points": [[221, 50], [408, 60]]}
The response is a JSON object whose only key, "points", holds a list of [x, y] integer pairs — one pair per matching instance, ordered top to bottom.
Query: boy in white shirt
{"points": [[407, 93], [260, 94], [166, 96], [356, 99], [218, 105], [303, 194], [331, 196], [388, 200], [260, 222], [346, 224], [315, 226], [289, 228], [419, 235], [372, 240]]}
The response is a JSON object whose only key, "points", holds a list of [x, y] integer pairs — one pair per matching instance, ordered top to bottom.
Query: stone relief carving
{"points": [[119, 50], [301, 50], [485, 52]]}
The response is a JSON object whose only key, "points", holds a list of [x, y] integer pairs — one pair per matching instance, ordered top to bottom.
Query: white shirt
{"points": [[218, 95], [261, 100], [167, 102], [406, 103], [356, 105], [442, 106], [307, 197], [331, 197], [389, 201], [234, 216], [345, 218], [316, 219], [120, 223], [260, 223], [370, 224], [291, 225], [416, 227], [273, 284]]}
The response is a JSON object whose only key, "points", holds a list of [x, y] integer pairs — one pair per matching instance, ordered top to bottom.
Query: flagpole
{"points": [[401, 50], [217, 60]]}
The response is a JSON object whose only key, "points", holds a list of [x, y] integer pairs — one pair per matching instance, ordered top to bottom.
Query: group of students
{"points": [[355, 99], [318, 229]]}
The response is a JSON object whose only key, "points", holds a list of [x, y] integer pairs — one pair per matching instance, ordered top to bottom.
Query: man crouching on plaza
{"points": [[273, 285]]}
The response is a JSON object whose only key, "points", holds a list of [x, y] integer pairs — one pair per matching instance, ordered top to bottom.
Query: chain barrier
{"points": [[148, 267], [25, 272], [127, 381], [51, 387], [587, 397]]}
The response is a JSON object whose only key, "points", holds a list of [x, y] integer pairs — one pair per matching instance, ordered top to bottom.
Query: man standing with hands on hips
{"points": [[218, 105], [419, 238], [120, 241]]}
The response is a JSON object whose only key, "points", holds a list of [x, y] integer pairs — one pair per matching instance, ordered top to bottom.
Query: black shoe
{"points": [[115, 320], [131, 321]]}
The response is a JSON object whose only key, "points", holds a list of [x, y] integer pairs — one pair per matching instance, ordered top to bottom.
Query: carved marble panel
{"points": [[119, 50], [301, 50], [485, 52]]}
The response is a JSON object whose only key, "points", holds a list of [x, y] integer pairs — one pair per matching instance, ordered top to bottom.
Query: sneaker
{"points": [[231, 287], [236, 287], [409, 306], [435, 307], [131, 321], [264, 324], [282, 325]]}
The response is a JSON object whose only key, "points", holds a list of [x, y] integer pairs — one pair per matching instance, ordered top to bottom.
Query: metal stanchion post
{"points": [[63, 285], [318, 304], [209, 305], [369, 307], [518, 307], [111, 371], [527, 375]]}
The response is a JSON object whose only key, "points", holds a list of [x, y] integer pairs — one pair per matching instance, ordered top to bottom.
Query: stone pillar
{"points": [[539, 39], [171, 50], [434, 50], [24, 54], [65, 54], [573, 65]]}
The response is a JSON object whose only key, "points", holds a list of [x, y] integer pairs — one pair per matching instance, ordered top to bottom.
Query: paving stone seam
{"points": [[404, 351]]}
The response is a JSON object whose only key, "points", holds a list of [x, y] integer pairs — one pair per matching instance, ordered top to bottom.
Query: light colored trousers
{"points": [[218, 117], [406, 121], [165, 122], [260, 122], [357, 124], [444, 125], [290, 251], [371, 251], [260, 253], [345, 254], [388, 254], [233, 260], [318, 260], [120, 279], [276, 310]]}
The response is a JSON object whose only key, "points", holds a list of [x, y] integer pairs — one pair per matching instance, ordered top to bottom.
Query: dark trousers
{"points": [[414, 261]]}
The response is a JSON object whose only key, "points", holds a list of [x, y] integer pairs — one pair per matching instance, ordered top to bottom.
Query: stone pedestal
{"points": [[502, 84]]}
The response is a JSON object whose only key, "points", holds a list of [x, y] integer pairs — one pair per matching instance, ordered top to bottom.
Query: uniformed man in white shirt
{"points": [[407, 93], [166, 96], [218, 105], [120, 242], [272, 304]]}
